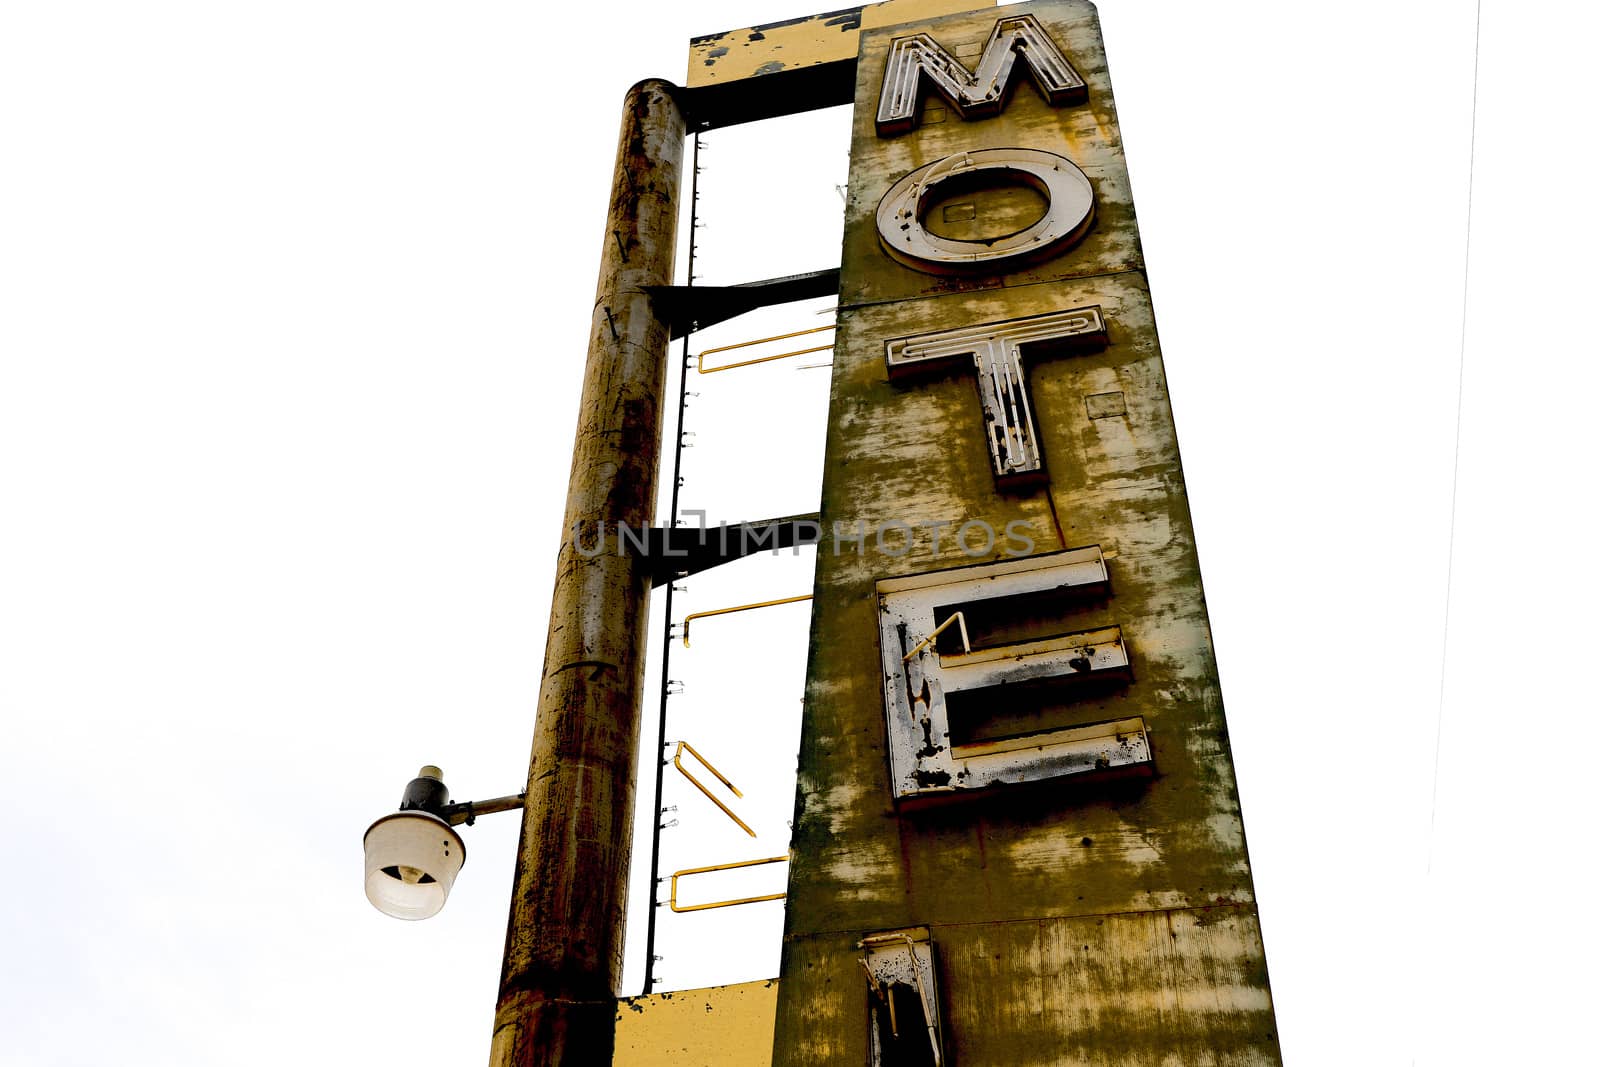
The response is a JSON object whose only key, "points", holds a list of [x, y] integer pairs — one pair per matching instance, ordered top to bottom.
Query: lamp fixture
{"points": [[413, 855]]}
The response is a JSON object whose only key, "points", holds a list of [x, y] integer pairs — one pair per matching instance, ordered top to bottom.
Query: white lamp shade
{"points": [[412, 861]]}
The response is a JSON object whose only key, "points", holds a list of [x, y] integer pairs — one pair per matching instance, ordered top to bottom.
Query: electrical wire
{"points": [[1455, 466]]}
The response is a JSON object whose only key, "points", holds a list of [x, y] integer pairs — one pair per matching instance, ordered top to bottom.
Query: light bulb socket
{"points": [[426, 793]]}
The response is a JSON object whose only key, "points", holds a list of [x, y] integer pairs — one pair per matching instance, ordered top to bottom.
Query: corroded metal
{"points": [[769, 50], [918, 58], [783, 68], [1068, 213], [997, 349], [928, 754], [1097, 918], [564, 940], [899, 960]]}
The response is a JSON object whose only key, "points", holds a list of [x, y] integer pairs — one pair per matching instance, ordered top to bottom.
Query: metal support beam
{"points": [[789, 92], [696, 307], [674, 552], [564, 940]]}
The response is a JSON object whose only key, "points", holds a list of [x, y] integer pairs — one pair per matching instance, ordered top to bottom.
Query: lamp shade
{"points": [[412, 861]]}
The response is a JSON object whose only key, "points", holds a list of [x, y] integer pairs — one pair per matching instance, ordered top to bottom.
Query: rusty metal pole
{"points": [[563, 959]]}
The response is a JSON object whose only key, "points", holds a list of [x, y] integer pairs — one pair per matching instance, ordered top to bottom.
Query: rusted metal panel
{"points": [[832, 37], [918, 64], [783, 68], [1083, 132], [1069, 205], [997, 351], [1105, 405], [1002, 687], [1166, 842], [1111, 922], [1188, 985], [1189, 990], [722, 1026]]}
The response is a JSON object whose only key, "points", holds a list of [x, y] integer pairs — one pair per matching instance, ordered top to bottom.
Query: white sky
{"points": [[293, 303]]}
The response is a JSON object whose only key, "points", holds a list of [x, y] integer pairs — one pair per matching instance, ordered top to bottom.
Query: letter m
{"points": [[980, 94]]}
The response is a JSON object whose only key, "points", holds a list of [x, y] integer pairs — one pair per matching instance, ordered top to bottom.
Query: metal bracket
{"points": [[687, 308], [700, 360], [672, 552], [737, 607], [958, 618], [677, 761], [468, 811], [672, 899], [902, 958]]}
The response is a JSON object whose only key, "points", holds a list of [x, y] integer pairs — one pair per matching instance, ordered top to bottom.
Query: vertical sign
{"points": [[1017, 836]]}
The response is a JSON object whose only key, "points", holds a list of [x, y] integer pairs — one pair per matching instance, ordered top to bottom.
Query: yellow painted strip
{"points": [[807, 42], [722, 1026]]}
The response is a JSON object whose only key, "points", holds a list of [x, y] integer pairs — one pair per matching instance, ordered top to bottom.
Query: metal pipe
{"points": [[774, 337], [700, 360], [701, 368], [959, 618], [687, 619], [677, 761], [467, 811], [672, 899], [564, 938]]}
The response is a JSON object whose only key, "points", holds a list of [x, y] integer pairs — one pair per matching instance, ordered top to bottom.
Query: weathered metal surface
{"points": [[776, 47], [918, 63], [784, 68], [1085, 133], [1068, 211], [997, 350], [1023, 691], [1109, 923], [563, 958], [899, 969], [1190, 989], [723, 1026]]}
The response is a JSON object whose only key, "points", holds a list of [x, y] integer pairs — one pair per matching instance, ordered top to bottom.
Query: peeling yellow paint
{"points": [[732, 55]]}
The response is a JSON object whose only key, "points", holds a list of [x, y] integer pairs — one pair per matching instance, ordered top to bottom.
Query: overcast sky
{"points": [[293, 307]]}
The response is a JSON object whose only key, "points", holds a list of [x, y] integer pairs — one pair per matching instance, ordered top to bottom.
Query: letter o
{"points": [[1068, 215], [896, 524], [988, 538]]}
